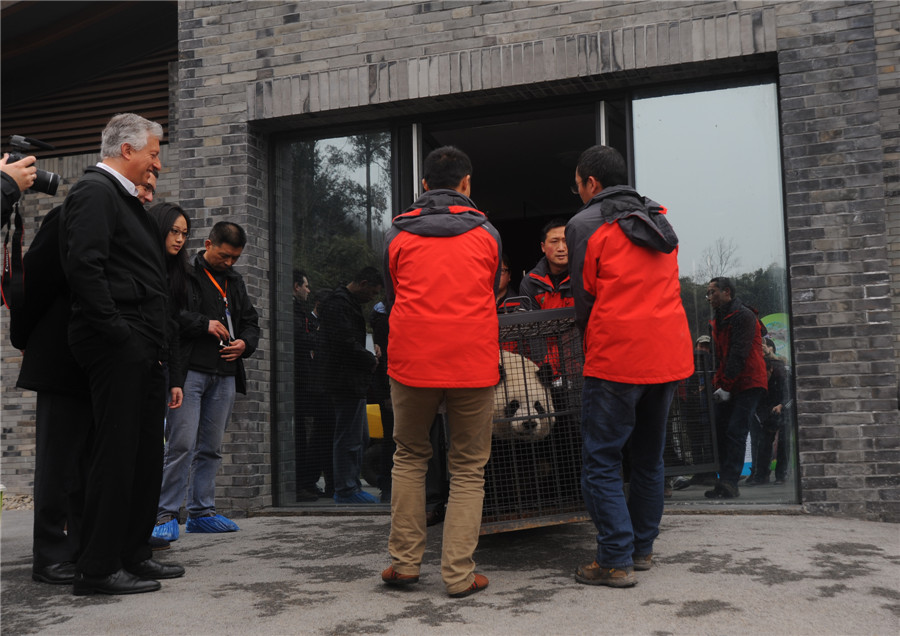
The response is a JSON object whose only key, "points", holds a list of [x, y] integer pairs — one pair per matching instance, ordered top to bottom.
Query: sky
{"points": [[712, 159]]}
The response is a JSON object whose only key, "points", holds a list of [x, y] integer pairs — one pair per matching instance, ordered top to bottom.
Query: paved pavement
{"points": [[715, 574]]}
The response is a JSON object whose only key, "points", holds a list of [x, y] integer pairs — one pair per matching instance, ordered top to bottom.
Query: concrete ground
{"points": [[714, 574]]}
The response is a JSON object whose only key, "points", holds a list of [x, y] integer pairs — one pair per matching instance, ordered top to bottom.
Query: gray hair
{"points": [[127, 128]]}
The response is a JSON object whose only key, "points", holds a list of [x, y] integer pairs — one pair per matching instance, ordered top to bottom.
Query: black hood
{"points": [[440, 213], [640, 218]]}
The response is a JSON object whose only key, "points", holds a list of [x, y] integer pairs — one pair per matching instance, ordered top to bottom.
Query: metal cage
{"points": [[533, 477]]}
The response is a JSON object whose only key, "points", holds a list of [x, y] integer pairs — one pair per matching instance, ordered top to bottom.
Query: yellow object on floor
{"points": [[373, 413]]}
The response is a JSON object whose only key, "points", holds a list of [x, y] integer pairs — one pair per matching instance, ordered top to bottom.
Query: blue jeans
{"points": [[612, 413], [732, 426], [194, 435], [351, 436]]}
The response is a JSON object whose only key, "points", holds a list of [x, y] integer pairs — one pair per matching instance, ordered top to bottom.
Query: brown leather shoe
{"points": [[643, 563], [593, 574], [392, 577], [478, 584]]}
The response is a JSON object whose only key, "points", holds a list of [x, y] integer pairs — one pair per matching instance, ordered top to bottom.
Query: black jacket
{"points": [[114, 263], [40, 326], [199, 351], [348, 365]]}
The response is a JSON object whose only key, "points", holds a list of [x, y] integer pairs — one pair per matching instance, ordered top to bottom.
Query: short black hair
{"points": [[605, 164], [445, 167], [552, 223], [228, 232], [368, 274], [299, 275], [724, 283]]}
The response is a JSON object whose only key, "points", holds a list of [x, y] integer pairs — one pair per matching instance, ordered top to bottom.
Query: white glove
{"points": [[721, 395]]}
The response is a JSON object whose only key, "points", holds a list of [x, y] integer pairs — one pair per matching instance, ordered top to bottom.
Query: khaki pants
{"points": [[469, 416]]}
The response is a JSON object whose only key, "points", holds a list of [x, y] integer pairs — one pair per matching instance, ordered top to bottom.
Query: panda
{"points": [[522, 404]]}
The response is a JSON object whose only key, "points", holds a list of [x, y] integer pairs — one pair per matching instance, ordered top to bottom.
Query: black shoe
{"points": [[723, 490], [309, 494], [158, 543], [150, 570], [55, 574], [119, 582]]}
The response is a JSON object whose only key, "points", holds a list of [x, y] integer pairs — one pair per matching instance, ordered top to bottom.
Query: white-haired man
{"points": [[117, 276]]}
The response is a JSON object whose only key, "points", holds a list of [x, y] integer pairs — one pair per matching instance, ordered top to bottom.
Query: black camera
{"points": [[46, 182]]}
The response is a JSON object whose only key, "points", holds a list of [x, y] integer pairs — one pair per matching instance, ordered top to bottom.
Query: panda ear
{"points": [[545, 374]]}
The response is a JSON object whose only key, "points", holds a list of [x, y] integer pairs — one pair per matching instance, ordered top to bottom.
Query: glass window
{"points": [[712, 157], [333, 205]]}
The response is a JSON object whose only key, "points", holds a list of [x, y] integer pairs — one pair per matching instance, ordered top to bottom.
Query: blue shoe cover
{"points": [[358, 497], [217, 523], [167, 530]]}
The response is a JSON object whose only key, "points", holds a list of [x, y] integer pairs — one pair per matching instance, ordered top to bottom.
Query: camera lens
{"points": [[46, 182]]}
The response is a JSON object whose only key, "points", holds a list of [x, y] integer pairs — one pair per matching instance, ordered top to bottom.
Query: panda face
{"points": [[522, 405]]}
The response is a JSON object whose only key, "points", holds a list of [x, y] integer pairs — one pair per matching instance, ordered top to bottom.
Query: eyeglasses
{"points": [[575, 188], [176, 232], [710, 292]]}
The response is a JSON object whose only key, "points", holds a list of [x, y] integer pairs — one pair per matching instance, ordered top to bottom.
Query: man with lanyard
{"points": [[219, 327]]}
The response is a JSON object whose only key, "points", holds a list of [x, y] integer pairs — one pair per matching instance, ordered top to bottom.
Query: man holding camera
{"points": [[17, 177], [218, 328]]}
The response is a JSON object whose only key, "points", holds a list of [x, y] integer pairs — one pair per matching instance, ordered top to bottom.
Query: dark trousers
{"points": [[613, 413], [62, 423], [732, 425], [774, 425], [314, 430], [125, 458]]}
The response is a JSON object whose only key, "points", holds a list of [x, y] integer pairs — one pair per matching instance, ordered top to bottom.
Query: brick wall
{"points": [[887, 50], [835, 188]]}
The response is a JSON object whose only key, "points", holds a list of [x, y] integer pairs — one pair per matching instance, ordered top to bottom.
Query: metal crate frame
{"points": [[531, 483], [538, 483]]}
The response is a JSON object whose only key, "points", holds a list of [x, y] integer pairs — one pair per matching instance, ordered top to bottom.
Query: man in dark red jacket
{"points": [[442, 257], [548, 285], [637, 347], [740, 380]]}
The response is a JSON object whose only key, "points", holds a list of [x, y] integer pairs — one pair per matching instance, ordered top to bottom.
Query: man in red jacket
{"points": [[443, 262], [547, 285], [637, 347], [740, 381]]}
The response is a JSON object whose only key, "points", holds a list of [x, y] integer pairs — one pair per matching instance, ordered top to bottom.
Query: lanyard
{"points": [[225, 299]]}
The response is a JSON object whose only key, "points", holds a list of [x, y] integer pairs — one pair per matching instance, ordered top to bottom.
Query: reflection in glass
{"points": [[713, 159], [332, 200], [341, 204]]}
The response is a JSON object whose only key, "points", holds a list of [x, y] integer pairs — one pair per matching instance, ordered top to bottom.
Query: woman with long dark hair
{"points": [[174, 228]]}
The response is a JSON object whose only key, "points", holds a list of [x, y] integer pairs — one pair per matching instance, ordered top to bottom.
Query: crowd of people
{"points": [[129, 341]]}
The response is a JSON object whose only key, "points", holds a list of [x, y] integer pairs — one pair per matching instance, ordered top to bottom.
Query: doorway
{"points": [[523, 167]]}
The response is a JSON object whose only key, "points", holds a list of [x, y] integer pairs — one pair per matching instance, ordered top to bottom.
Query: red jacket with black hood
{"points": [[442, 265]]}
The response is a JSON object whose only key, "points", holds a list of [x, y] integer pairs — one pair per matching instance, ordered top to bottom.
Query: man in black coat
{"points": [[115, 269], [219, 327], [349, 367], [63, 409]]}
